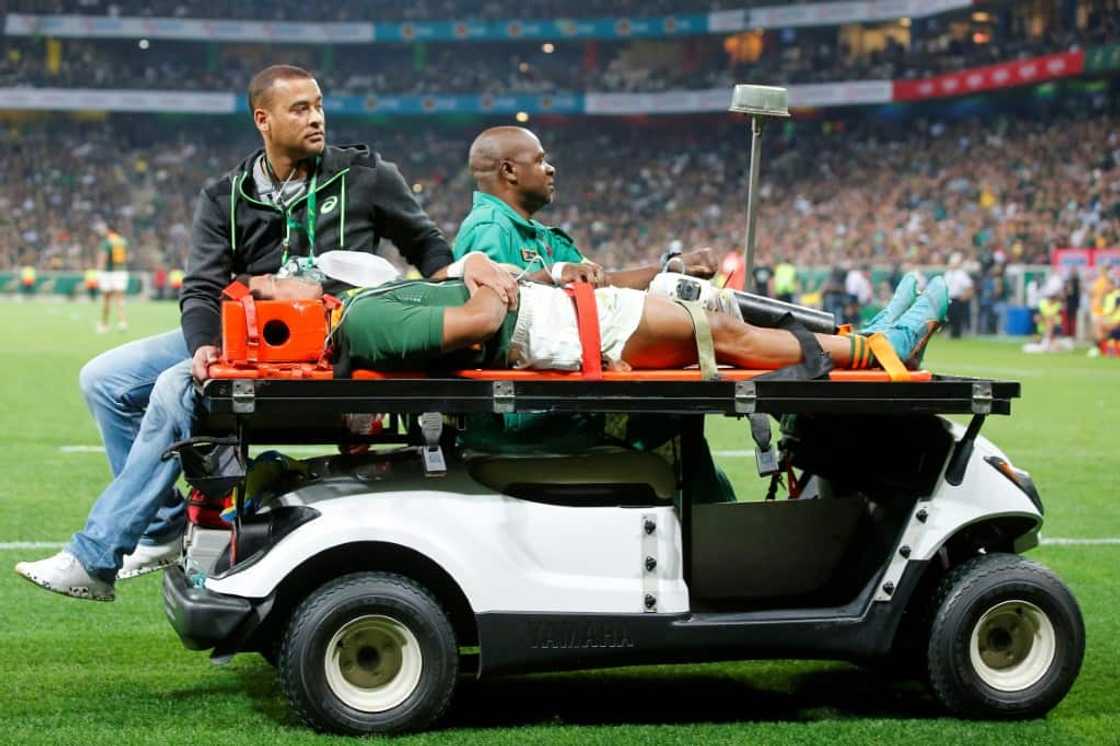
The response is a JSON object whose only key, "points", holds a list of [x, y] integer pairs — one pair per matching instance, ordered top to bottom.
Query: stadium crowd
{"points": [[380, 10], [502, 68], [1009, 190]]}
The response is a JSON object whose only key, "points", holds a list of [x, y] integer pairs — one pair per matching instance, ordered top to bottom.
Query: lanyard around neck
{"points": [[308, 226]]}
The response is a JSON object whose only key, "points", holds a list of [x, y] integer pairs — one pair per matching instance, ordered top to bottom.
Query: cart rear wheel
{"points": [[1007, 639], [369, 653]]}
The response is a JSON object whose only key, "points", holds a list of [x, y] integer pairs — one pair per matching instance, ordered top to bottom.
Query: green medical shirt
{"points": [[495, 228]]}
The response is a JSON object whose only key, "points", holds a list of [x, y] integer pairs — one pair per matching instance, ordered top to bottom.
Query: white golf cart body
{"points": [[539, 576]]}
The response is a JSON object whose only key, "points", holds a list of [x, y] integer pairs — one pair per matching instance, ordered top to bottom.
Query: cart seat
{"points": [[598, 478]]}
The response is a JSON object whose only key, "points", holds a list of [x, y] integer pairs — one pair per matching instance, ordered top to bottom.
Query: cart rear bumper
{"points": [[202, 618]]}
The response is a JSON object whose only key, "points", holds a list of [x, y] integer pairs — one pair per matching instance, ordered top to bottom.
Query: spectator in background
{"points": [[762, 278], [785, 280], [860, 293], [960, 294], [834, 296], [992, 299], [1072, 303], [1102, 306], [1048, 322]]}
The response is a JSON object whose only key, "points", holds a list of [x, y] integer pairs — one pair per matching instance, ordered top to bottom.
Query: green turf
{"points": [[75, 672]]}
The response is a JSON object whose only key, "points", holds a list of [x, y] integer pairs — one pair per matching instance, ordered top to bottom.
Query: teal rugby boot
{"points": [[902, 299], [910, 334]]}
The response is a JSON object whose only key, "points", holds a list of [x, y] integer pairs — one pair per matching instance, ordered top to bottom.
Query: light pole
{"points": [[758, 101]]}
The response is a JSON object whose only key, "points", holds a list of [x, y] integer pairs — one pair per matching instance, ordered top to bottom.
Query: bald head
{"points": [[499, 144], [509, 163]]}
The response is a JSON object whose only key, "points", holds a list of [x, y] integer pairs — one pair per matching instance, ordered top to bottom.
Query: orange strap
{"points": [[238, 292], [587, 318], [887, 357]]}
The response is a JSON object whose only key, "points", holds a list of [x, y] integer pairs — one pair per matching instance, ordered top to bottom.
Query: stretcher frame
{"points": [[281, 408]]}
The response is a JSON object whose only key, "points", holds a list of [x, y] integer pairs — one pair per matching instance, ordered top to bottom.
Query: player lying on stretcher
{"points": [[420, 325]]}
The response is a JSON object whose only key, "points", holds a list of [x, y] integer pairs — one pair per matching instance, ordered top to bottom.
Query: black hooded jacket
{"points": [[360, 199]]}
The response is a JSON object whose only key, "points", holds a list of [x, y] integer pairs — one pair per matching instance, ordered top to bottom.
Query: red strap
{"points": [[239, 292], [587, 318]]}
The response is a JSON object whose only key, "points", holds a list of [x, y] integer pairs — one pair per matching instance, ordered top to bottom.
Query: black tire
{"points": [[1030, 639], [369, 680]]}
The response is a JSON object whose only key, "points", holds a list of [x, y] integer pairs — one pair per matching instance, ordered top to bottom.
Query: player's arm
{"points": [[102, 257], [698, 263], [477, 271], [475, 321]]}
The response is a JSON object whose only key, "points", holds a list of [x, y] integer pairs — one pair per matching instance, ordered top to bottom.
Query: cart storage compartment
{"points": [[769, 550]]}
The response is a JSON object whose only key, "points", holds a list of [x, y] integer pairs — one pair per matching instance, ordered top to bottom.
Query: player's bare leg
{"points": [[665, 339]]}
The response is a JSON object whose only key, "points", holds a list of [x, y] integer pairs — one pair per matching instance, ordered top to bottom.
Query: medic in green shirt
{"points": [[515, 181]]}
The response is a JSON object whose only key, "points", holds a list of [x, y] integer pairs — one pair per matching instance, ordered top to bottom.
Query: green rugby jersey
{"points": [[399, 326]]}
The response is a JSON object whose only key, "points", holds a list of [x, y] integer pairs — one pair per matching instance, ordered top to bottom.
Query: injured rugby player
{"points": [[422, 325]]}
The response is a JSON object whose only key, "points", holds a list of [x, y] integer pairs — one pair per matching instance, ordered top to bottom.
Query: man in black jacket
{"points": [[262, 223]]}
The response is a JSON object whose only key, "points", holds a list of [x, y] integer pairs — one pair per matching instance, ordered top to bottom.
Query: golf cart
{"points": [[374, 580]]}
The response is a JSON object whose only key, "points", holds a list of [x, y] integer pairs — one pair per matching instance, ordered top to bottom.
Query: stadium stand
{"points": [[386, 10], [703, 62], [1015, 186]]}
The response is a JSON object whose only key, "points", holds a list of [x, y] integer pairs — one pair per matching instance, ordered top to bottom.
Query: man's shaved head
{"points": [[497, 144], [509, 163]]}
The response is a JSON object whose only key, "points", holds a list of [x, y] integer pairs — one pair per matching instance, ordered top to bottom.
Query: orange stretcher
{"points": [[285, 340]]}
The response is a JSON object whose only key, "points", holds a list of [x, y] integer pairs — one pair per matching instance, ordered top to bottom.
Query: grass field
{"points": [[75, 672]]}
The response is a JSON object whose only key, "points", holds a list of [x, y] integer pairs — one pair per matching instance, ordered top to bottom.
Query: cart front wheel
{"points": [[1007, 639], [369, 653]]}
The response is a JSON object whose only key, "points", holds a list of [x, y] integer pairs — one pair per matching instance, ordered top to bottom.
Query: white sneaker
{"points": [[148, 558], [64, 574]]}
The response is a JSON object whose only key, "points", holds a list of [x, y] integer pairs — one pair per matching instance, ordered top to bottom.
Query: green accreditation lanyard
{"points": [[309, 219]]}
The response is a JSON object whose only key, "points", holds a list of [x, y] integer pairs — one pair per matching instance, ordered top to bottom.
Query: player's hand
{"points": [[700, 262], [480, 272], [589, 272], [200, 365]]}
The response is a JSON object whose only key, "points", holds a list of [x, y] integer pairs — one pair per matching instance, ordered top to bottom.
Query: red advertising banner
{"points": [[993, 77], [1111, 257], [1065, 261]]}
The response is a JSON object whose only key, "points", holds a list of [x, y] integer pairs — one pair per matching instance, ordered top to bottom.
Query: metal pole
{"points": [[752, 204]]}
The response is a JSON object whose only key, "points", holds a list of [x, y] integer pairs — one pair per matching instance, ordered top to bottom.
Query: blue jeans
{"points": [[142, 398]]}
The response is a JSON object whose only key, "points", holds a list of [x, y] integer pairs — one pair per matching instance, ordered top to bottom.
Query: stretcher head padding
{"points": [[289, 331]]}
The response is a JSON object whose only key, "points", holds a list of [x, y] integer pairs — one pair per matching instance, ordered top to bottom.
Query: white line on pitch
{"points": [[81, 449], [733, 454], [1063, 542], [31, 545]]}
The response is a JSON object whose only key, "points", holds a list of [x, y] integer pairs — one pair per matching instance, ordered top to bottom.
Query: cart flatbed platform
{"points": [[286, 404]]}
